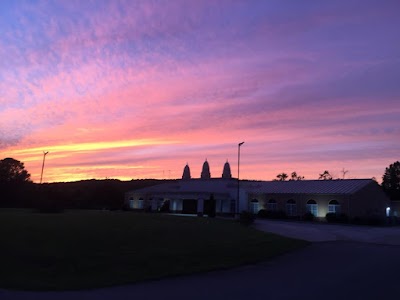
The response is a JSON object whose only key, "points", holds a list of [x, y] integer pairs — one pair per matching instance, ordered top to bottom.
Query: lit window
{"points": [[140, 203], [272, 205], [254, 206], [312, 207], [334, 207], [291, 208], [387, 211]]}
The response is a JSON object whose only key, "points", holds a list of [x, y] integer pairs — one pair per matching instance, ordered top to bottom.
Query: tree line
{"points": [[294, 176], [17, 189]]}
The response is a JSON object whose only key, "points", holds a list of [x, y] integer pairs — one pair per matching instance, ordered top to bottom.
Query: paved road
{"points": [[323, 232], [328, 270]]}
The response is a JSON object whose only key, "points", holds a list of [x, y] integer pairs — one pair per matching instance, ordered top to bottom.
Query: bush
{"points": [[165, 206], [262, 213], [308, 216], [246, 218]]}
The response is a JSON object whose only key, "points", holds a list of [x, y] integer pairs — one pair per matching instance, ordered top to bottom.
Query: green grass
{"points": [[90, 249]]}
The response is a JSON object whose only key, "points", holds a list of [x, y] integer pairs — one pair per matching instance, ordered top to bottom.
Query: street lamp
{"points": [[44, 157], [237, 198]]}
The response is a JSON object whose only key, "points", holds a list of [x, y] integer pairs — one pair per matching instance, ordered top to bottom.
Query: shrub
{"points": [[165, 206], [262, 213], [308, 216], [246, 218]]}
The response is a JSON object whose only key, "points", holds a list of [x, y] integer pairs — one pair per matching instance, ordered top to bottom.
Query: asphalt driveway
{"points": [[323, 232]]}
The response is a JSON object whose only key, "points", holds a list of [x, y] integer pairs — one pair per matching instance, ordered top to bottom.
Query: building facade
{"points": [[352, 197]]}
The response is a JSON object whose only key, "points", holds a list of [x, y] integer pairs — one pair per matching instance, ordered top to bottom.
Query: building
{"points": [[353, 197]]}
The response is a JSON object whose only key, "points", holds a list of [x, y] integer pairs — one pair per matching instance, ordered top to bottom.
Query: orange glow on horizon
{"points": [[87, 147]]}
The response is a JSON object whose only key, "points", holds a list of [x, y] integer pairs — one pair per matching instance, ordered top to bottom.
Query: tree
{"points": [[13, 171], [282, 176], [294, 176], [325, 176], [13, 179], [391, 181]]}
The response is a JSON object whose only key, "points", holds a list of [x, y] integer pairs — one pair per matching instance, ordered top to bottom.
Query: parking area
{"points": [[323, 232]]}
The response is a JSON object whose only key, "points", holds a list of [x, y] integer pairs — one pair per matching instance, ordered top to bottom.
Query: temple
{"points": [[293, 199]]}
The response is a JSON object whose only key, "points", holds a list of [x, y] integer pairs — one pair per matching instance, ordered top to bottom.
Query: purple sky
{"points": [[137, 89]]}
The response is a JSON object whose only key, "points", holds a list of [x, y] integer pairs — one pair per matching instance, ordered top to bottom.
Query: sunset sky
{"points": [[137, 89]]}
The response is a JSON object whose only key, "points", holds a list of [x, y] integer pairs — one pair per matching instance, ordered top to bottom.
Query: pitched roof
{"points": [[214, 185], [220, 185], [345, 186]]}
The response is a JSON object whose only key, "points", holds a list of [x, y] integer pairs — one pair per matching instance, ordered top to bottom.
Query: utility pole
{"points": [[44, 157], [238, 181]]}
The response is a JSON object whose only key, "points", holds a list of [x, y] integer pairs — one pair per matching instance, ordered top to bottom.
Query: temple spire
{"points": [[186, 172], [205, 173], [226, 173]]}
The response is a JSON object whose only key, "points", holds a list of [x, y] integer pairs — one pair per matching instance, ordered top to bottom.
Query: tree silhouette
{"points": [[13, 171], [282, 176], [294, 176], [325, 176], [391, 181], [13, 182]]}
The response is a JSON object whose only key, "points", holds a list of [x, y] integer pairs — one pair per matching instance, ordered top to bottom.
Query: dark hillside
{"points": [[85, 194]]}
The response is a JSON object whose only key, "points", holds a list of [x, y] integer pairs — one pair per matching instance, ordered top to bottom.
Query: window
{"points": [[131, 202], [140, 203], [271, 205], [254, 207], [312, 207], [334, 207], [291, 208], [387, 211]]}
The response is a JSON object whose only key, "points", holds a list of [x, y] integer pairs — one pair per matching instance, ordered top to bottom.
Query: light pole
{"points": [[44, 157], [238, 181]]}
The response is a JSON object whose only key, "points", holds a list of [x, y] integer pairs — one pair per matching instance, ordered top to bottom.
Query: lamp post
{"points": [[44, 157], [238, 181]]}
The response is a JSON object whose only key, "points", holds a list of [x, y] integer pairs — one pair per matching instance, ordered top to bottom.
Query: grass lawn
{"points": [[89, 249]]}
